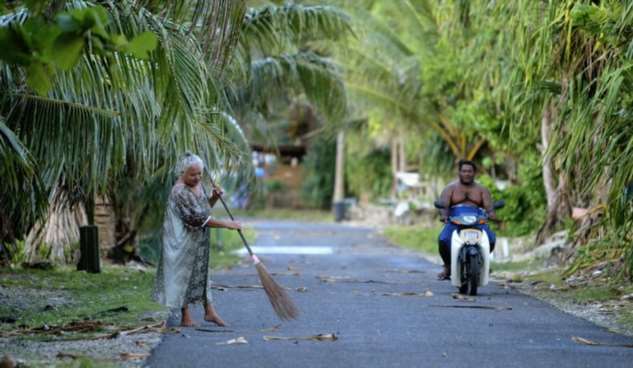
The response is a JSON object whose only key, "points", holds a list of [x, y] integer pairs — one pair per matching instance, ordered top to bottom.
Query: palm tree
{"points": [[116, 117], [115, 124]]}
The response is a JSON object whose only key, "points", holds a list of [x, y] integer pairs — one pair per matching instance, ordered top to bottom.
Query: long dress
{"points": [[183, 268]]}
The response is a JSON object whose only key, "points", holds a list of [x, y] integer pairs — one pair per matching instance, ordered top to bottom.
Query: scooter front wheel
{"points": [[473, 275]]}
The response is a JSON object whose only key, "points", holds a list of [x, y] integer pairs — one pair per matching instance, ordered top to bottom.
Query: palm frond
{"points": [[271, 28], [305, 72]]}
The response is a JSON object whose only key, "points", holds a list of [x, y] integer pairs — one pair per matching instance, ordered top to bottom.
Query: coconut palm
{"points": [[117, 116], [115, 123]]}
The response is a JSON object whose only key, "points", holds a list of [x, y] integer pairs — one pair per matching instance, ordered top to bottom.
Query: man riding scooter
{"points": [[461, 196]]}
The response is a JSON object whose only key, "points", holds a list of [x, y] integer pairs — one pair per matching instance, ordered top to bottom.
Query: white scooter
{"points": [[470, 249]]}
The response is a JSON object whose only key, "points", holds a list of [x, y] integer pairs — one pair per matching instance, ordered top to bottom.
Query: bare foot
{"points": [[211, 316], [186, 320], [187, 323]]}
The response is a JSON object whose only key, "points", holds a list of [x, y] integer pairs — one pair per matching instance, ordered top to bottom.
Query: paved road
{"points": [[376, 330]]}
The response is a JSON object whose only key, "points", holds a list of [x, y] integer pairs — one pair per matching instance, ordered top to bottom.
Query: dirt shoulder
{"points": [[604, 301]]}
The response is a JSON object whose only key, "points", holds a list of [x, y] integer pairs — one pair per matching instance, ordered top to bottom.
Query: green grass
{"points": [[287, 214], [414, 237], [518, 266], [552, 277], [594, 294], [88, 296], [626, 318]]}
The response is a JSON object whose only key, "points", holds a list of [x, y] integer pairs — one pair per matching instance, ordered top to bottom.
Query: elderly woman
{"points": [[183, 268]]}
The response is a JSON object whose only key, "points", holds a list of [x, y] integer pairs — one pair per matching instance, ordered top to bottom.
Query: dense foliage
{"points": [[539, 91]]}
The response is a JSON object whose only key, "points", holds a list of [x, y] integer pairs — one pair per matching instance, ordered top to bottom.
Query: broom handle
{"points": [[239, 231]]}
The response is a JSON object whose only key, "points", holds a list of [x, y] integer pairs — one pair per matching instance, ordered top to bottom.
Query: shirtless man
{"points": [[463, 192]]}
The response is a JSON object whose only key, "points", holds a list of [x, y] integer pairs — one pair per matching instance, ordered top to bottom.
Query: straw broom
{"points": [[279, 299]]}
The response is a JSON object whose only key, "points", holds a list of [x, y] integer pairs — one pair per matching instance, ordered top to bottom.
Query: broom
{"points": [[279, 299]]}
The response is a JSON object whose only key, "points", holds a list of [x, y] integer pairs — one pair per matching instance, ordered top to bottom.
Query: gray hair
{"points": [[188, 160]]}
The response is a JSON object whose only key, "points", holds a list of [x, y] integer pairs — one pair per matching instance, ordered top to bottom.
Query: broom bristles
{"points": [[279, 299]]}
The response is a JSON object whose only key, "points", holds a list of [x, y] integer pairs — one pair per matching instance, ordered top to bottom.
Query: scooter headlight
{"points": [[470, 236]]}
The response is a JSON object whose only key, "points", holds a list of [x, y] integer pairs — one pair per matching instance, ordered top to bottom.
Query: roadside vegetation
{"points": [[307, 215], [416, 238]]}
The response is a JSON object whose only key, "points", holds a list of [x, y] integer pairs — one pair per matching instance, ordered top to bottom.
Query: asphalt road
{"points": [[345, 294]]}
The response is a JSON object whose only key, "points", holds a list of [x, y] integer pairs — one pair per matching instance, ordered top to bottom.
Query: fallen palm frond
{"points": [[347, 279], [222, 287], [427, 294], [491, 307], [213, 331], [319, 337], [582, 340]]}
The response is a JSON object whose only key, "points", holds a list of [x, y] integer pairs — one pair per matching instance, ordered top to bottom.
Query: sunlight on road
{"points": [[311, 250]]}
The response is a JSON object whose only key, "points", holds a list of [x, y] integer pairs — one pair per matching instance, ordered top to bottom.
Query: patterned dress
{"points": [[183, 269]]}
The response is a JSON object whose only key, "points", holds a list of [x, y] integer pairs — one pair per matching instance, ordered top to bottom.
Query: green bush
{"points": [[319, 166], [369, 172], [274, 186], [525, 207]]}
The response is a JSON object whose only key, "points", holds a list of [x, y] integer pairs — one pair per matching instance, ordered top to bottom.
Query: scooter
{"points": [[470, 248]]}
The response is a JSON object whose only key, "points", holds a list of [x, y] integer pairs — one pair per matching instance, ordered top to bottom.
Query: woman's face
{"points": [[192, 175]]}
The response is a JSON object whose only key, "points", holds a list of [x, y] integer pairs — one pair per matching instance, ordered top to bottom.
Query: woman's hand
{"points": [[217, 193], [233, 225]]}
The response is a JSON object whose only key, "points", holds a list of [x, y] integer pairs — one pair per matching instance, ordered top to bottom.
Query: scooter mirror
{"points": [[499, 204], [438, 205]]}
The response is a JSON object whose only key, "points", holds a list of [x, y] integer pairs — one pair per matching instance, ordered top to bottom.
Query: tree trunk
{"points": [[402, 156], [394, 166], [339, 180], [556, 193], [105, 220], [128, 221], [52, 238]]}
